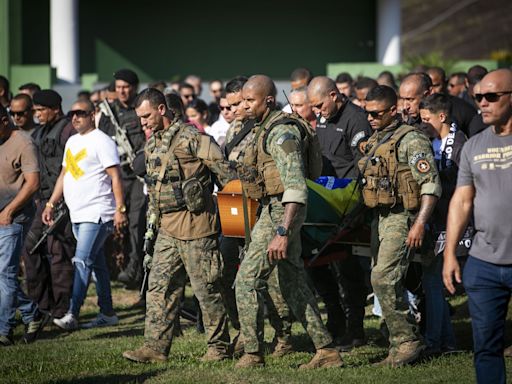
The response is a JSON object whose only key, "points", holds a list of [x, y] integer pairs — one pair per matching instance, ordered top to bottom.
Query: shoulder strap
{"points": [[284, 121], [237, 139], [374, 149], [165, 161]]}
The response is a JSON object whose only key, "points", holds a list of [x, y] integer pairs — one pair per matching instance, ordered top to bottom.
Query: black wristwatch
{"points": [[282, 231]]}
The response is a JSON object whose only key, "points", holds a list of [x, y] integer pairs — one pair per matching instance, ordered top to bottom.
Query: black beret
{"points": [[127, 75], [47, 98]]}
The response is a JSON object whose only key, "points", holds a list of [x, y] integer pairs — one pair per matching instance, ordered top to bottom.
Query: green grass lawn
{"points": [[94, 356]]}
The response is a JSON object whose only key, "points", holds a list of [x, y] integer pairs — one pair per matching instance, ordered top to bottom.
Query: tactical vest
{"points": [[51, 152], [264, 179], [386, 182], [175, 191]]}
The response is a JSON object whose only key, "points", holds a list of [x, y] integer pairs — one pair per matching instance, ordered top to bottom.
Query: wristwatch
{"points": [[121, 208], [282, 231]]}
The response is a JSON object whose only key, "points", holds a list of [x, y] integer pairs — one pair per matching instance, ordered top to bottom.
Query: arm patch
{"points": [[287, 142]]}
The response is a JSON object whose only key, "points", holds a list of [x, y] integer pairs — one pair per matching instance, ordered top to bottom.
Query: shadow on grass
{"points": [[130, 332], [110, 378]]}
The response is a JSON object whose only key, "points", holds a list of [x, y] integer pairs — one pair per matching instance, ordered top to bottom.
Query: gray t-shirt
{"points": [[486, 163]]}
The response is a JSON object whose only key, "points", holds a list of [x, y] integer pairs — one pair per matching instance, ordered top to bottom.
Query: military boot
{"points": [[283, 347], [408, 353], [213, 354], [145, 355], [324, 358], [250, 360], [386, 362]]}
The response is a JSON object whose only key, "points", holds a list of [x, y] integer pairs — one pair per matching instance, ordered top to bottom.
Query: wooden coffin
{"points": [[232, 212]]}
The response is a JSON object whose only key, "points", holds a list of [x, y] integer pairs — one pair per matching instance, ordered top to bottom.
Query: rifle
{"points": [[126, 153], [60, 212], [149, 244]]}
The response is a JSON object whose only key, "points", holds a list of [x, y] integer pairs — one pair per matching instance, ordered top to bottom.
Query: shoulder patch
{"points": [[357, 138], [287, 142], [417, 157], [423, 166]]}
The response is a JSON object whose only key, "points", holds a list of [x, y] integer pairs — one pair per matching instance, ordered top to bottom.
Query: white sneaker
{"points": [[102, 321], [67, 322]]}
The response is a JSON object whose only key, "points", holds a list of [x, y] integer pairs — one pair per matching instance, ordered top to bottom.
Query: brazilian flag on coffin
{"points": [[328, 200]]}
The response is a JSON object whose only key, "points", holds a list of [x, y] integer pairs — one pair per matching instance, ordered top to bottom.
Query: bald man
{"points": [[341, 127], [273, 171], [484, 187]]}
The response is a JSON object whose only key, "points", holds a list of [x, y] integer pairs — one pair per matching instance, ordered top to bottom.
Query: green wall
{"points": [[220, 38], [223, 38]]}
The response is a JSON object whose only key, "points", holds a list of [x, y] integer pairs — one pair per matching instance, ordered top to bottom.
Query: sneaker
{"points": [[102, 321], [68, 322], [33, 328], [6, 340]]}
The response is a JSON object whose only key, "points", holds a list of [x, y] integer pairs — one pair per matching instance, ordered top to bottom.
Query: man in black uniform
{"points": [[126, 83], [461, 111], [342, 130], [49, 269]]}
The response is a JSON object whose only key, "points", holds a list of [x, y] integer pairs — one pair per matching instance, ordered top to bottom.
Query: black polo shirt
{"points": [[341, 138]]}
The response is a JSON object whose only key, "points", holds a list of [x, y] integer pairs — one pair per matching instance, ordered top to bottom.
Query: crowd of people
{"points": [[431, 157]]}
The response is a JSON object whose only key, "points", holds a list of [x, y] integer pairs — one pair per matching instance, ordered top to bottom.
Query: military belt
{"points": [[266, 200]]}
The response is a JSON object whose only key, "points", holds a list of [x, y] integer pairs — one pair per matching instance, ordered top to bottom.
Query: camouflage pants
{"points": [[173, 259], [255, 271], [388, 272], [278, 311]]}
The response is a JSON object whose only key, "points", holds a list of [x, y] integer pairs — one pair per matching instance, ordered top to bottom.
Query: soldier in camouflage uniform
{"points": [[238, 136], [400, 180], [280, 185], [181, 195]]}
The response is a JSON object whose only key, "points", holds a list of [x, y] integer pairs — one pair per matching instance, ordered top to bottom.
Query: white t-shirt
{"points": [[218, 130], [87, 186]]}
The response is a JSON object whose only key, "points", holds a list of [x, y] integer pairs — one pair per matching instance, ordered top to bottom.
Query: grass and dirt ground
{"points": [[94, 356]]}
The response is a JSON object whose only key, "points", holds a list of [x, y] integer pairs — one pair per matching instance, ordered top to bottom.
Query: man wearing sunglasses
{"points": [[125, 85], [22, 114], [19, 181], [401, 182], [90, 183], [483, 189], [49, 269]]}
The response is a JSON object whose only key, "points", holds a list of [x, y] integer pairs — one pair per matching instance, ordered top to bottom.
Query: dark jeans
{"points": [[135, 201], [49, 270], [488, 287]]}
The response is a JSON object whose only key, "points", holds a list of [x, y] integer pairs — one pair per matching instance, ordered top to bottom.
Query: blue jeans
{"points": [[90, 257], [488, 287], [11, 295], [439, 331]]}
